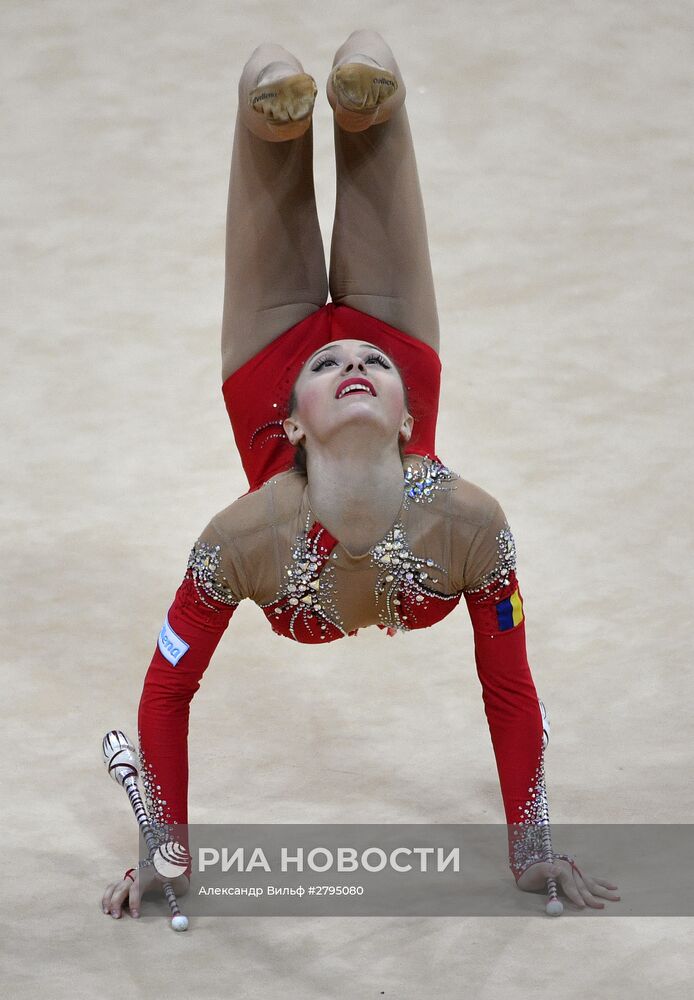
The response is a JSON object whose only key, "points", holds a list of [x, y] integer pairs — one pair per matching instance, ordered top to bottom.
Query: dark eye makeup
{"points": [[379, 358], [322, 361]]}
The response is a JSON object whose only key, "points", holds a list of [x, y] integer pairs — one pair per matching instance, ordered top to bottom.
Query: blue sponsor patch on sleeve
{"points": [[171, 646]]}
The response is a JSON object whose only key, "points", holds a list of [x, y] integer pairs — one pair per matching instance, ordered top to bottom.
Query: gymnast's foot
{"points": [[365, 85], [281, 102]]}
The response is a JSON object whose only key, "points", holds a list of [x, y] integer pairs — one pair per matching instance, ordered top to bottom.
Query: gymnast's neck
{"points": [[355, 487]]}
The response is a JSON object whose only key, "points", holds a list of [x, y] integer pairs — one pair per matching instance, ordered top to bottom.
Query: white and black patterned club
{"points": [[122, 763]]}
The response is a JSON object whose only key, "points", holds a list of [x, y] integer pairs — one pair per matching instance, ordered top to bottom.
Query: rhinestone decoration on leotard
{"points": [[267, 437], [424, 480], [203, 566], [497, 578], [401, 579], [308, 584], [157, 809], [531, 834]]}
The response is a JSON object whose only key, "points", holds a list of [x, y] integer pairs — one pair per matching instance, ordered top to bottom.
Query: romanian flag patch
{"points": [[498, 612], [509, 612]]}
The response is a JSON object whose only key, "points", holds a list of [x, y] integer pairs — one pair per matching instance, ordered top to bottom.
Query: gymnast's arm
{"points": [[202, 608], [511, 705]]}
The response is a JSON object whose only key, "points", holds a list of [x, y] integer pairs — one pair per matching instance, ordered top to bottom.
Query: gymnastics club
{"points": [[120, 758], [554, 905]]}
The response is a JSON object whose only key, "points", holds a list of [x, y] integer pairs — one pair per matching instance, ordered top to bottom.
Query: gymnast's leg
{"points": [[379, 258], [275, 264]]}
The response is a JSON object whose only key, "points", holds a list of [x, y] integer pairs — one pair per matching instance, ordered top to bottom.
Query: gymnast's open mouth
{"points": [[351, 385]]}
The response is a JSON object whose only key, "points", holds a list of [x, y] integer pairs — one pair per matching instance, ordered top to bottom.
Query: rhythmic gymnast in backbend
{"points": [[350, 519]]}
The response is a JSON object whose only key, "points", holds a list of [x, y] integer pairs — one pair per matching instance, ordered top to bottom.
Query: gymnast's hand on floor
{"points": [[581, 888], [128, 893]]}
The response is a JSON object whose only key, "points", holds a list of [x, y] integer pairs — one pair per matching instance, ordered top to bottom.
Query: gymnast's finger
{"points": [[565, 875], [603, 882], [600, 888], [585, 892], [119, 895], [106, 898], [134, 898]]}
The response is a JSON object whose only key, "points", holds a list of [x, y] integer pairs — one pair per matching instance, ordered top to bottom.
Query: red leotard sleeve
{"points": [[195, 622], [510, 700]]}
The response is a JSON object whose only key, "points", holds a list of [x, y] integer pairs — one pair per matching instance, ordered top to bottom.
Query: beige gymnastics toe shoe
{"points": [[360, 94], [285, 104]]}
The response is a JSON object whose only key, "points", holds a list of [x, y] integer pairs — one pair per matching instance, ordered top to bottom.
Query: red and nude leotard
{"points": [[450, 540]]}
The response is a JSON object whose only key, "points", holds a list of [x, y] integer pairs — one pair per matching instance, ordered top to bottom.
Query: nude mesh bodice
{"points": [[268, 547]]}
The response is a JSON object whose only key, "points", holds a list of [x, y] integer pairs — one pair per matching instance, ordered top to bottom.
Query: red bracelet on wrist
{"points": [[567, 857]]}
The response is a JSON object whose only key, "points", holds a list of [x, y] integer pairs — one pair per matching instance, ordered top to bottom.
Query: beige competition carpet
{"points": [[555, 155]]}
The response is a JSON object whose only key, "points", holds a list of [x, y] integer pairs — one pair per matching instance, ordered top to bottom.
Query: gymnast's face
{"points": [[348, 382]]}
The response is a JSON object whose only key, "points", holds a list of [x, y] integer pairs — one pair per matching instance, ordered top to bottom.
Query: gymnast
{"points": [[351, 519]]}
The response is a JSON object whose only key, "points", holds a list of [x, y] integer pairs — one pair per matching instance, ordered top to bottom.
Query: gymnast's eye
{"points": [[379, 359], [321, 362]]}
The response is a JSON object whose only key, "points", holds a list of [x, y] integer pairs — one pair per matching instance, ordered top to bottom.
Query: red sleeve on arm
{"points": [[190, 634], [511, 703]]}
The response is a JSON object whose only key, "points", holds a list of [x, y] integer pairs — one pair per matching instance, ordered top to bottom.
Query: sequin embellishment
{"points": [[268, 436], [426, 479], [203, 564], [402, 573], [498, 577], [401, 579], [308, 584], [159, 816], [531, 835]]}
